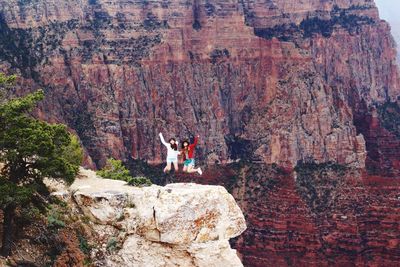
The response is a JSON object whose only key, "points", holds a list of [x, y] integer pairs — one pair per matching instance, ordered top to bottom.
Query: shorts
{"points": [[172, 160], [188, 162]]}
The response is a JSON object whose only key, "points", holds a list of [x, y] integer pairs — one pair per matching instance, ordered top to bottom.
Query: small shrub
{"points": [[210, 9], [152, 22], [196, 25], [218, 54], [7, 80], [389, 115], [73, 153], [142, 168], [115, 170], [139, 181], [56, 201], [131, 205], [30, 213], [55, 219], [86, 219], [83, 244], [112, 244]]}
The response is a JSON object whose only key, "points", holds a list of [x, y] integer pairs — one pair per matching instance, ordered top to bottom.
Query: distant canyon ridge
{"points": [[270, 81], [280, 84]]}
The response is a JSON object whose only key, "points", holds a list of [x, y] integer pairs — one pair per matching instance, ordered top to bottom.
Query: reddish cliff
{"points": [[281, 79], [268, 81], [322, 215]]}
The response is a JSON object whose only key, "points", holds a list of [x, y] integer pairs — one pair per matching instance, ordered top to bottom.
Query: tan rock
{"points": [[176, 225]]}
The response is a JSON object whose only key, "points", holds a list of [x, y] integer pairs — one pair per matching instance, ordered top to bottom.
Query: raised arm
{"points": [[196, 138], [163, 140]]}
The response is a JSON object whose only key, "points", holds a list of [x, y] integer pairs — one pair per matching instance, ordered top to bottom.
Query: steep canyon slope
{"points": [[274, 81], [277, 83], [321, 215]]}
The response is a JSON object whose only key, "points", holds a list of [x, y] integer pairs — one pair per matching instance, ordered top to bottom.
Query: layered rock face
{"points": [[269, 81], [273, 81], [321, 215], [175, 225]]}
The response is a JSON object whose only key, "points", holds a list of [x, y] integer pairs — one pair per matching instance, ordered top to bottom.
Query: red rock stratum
{"points": [[279, 82]]}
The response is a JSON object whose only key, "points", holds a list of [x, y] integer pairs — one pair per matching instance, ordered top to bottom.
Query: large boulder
{"points": [[176, 225]]}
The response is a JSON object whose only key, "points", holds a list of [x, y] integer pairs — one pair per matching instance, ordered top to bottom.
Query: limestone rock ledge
{"points": [[176, 225]]}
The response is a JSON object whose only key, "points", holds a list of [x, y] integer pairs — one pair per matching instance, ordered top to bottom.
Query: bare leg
{"points": [[176, 166], [168, 167], [185, 168], [191, 169]]}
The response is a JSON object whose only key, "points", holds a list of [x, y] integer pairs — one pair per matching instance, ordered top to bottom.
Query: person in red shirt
{"points": [[188, 152]]}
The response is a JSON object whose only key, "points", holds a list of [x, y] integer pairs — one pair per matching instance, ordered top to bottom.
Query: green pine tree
{"points": [[30, 150]]}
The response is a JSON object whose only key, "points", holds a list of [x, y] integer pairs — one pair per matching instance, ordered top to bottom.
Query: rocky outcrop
{"points": [[271, 81], [382, 134], [324, 214], [175, 225]]}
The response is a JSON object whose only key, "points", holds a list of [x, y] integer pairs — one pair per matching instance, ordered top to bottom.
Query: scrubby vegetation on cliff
{"points": [[339, 18], [26, 48], [389, 114], [30, 150], [115, 170], [316, 184], [56, 237]]}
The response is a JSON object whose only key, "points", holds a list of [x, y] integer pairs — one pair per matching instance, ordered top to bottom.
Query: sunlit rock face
{"points": [[272, 81], [176, 225]]}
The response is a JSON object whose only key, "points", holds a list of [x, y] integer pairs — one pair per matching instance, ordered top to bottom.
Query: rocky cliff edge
{"points": [[177, 225]]}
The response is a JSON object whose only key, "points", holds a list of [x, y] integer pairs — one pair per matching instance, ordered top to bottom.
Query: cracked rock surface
{"points": [[177, 225]]}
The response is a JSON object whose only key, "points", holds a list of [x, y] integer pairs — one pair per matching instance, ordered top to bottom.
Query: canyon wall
{"points": [[271, 81], [279, 83], [320, 215]]}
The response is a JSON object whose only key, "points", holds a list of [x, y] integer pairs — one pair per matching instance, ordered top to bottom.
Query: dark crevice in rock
{"points": [[196, 15], [239, 148], [155, 217]]}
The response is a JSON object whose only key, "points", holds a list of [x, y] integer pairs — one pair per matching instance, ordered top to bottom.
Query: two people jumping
{"points": [[187, 153]]}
